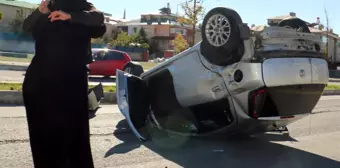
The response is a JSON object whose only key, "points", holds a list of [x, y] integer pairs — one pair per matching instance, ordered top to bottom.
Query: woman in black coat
{"points": [[55, 86]]}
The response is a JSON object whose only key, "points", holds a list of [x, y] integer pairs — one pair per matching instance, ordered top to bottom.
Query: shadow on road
{"points": [[223, 152]]}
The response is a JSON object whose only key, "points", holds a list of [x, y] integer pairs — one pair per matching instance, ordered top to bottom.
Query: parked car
{"points": [[107, 61], [236, 81]]}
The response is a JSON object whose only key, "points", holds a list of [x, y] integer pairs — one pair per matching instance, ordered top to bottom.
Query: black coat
{"points": [[94, 22], [55, 88]]}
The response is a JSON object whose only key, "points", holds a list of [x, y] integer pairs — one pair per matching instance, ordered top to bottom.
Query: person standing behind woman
{"points": [[55, 85]]}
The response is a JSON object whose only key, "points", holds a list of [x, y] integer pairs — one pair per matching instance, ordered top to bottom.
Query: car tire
{"points": [[228, 48], [134, 69]]}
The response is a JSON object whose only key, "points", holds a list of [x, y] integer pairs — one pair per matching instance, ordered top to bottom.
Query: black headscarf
{"points": [[68, 5]]}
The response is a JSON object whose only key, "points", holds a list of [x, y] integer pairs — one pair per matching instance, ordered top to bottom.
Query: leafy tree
{"points": [[193, 13], [16, 23], [321, 27], [135, 29], [142, 36], [123, 39], [102, 40], [98, 41], [180, 44], [145, 45], [154, 47], [325, 53]]}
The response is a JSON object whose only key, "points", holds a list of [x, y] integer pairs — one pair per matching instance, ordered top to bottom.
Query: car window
{"points": [[107, 55], [114, 56]]}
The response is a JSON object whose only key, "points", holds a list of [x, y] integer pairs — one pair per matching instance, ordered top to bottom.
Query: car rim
{"points": [[217, 30], [128, 70]]}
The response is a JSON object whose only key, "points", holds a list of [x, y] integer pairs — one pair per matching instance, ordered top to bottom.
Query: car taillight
{"points": [[256, 102]]}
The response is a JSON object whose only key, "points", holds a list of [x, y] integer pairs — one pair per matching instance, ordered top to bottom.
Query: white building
{"points": [[9, 9]]}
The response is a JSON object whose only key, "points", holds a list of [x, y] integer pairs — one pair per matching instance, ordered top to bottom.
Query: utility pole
{"points": [[194, 26], [327, 29]]}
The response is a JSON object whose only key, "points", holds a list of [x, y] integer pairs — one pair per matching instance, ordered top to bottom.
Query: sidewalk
{"points": [[14, 63], [334, 80]]}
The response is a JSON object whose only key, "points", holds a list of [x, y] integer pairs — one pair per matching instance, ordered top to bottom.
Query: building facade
{"points": [[9, 9], [160, 28]]}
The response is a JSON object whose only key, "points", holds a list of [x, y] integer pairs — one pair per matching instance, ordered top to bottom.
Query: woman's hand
{"points": [[43, 7], [59, 15]]}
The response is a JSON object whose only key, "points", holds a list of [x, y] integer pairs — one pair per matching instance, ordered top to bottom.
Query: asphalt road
{"points": [[314, 142]]}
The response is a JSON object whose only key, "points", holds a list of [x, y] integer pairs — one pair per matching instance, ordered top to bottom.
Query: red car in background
{"points": [[107, 61]]}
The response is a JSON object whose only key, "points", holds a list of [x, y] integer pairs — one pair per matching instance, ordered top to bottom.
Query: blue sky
{"points": [[251, 11]]}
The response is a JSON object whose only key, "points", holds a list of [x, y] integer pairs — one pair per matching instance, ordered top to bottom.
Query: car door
{"points": [[114, 60], [96, 67], [132, 101]]}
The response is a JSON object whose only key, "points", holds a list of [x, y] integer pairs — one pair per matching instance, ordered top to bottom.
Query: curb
{"points": [[13, 67], [331, 92], [15, 97]]}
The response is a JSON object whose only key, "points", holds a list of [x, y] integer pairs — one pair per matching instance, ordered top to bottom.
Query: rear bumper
{"points": [[295, 99], [284, 100], [272, 123], [267, 124]]}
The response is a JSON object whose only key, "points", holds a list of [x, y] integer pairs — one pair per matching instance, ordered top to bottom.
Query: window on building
{"points": [[324, 39]]}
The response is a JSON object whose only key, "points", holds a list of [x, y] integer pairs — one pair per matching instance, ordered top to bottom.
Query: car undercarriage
{"points": [[236, 80]]}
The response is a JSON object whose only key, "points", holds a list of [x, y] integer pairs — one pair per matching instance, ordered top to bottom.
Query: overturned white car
{"points": [[236, 80]]}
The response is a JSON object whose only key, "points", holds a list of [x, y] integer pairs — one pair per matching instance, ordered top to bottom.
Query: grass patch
{"points": [[14, 59], [147, 65], [11, 86], [18, 87], [332, 87], [107, 88]]}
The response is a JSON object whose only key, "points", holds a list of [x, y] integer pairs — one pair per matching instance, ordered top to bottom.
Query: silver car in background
{"points": [[236, 80]]}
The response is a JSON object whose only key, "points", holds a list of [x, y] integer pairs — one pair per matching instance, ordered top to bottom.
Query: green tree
{"points": [[193, 13], [16, 23], [321, 27], [143, 35], [123, 39], [102, 40], [137, 40], [98, 41], [180, 44], [154, 47], [325, 53]]}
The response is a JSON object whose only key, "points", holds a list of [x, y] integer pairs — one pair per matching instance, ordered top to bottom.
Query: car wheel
{"points": [[221, 36], [133, 69]]}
